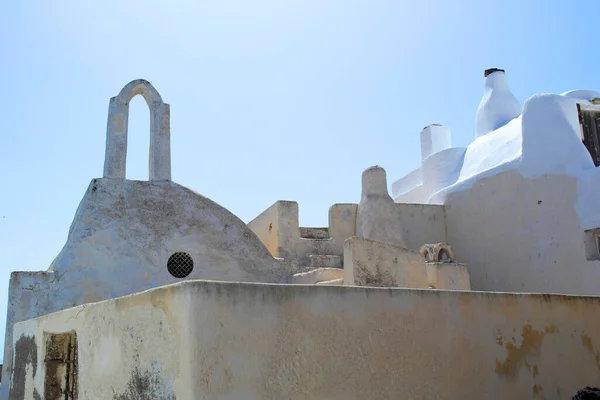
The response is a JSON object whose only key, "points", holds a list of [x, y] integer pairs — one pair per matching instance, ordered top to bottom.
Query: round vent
{"points": [[180, 265]]}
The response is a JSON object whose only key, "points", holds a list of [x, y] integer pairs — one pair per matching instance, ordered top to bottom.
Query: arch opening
{"points": [[138, 139], [115, 163]]}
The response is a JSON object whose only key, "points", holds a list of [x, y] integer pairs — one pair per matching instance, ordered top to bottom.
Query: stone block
{"points": [[314, 233], [325, 261], [371, 263], [317, 275], [448, 276], [335, 282]]}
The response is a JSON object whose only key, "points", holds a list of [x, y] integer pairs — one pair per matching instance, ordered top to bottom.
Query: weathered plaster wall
{"points": [[377, 217], [122, 224], [278, 228], [522, 235], [120, 240], [371, 263], [448, 276], [199, 340]]}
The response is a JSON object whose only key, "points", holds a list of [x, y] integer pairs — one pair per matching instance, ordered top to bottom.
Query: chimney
{"points": [[498, 106], [434, 138]]}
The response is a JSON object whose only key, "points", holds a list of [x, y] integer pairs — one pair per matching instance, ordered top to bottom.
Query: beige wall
{"points": [[422, 224], [266, 227], [278, 229], [521, 235], [371, 263], [256, 341]]}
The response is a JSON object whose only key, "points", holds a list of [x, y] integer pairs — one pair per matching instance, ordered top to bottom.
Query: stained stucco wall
{"points": [[522, 235], [371, 263], [199, 340]]}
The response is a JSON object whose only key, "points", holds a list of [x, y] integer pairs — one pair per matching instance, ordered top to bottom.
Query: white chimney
{"points": [[498, 105], [434, 138]]}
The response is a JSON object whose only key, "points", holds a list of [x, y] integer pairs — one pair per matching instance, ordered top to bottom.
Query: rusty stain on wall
{"points": [[587, 343], [530, 345], [537, 391]]}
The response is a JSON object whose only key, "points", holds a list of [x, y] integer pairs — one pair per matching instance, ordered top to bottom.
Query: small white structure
{"points": [[440, 167]]}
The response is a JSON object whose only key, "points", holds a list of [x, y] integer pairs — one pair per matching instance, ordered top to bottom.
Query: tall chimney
{"points": [[498, 106]]}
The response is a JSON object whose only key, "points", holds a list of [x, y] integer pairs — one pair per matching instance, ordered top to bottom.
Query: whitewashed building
{"points": [[480, 274]]}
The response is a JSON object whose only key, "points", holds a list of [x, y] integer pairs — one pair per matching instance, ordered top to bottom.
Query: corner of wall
{"points": [[551, 137], [342, 222], [287, 228], [30, 295]]}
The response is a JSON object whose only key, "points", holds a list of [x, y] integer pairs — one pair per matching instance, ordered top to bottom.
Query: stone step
{"points": [[314, 233], [325, 261], [318, 275], [334, 282]]}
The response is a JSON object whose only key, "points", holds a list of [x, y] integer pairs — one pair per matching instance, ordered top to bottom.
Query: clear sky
{"points": [[270, 99]]}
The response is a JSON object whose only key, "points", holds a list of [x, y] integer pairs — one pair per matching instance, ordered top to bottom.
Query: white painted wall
{"points": [[441, 170], [409, 187], [519, 234]]}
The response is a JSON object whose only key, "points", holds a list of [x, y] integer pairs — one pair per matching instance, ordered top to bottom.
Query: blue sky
{"points": [[270, 99]]}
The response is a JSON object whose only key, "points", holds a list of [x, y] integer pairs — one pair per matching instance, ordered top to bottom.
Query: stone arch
{"points": [[115, 162], [426, 252], [438, 252], [445, 254]]}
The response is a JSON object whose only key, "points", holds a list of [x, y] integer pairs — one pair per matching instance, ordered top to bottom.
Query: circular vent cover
{"points": [[180, 265]]}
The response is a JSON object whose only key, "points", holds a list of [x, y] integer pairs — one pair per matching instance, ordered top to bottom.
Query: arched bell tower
{"points": [[115, 161]]}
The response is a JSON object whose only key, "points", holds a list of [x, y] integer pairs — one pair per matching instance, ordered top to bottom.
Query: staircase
{"points": [[322, 269]]}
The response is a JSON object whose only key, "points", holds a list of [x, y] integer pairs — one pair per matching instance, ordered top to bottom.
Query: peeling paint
{"points": [[530, 345], [25, 356]]}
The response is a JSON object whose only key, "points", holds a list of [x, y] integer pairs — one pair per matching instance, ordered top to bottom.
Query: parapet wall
{"points": [[278, 229], [202, 339]]}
